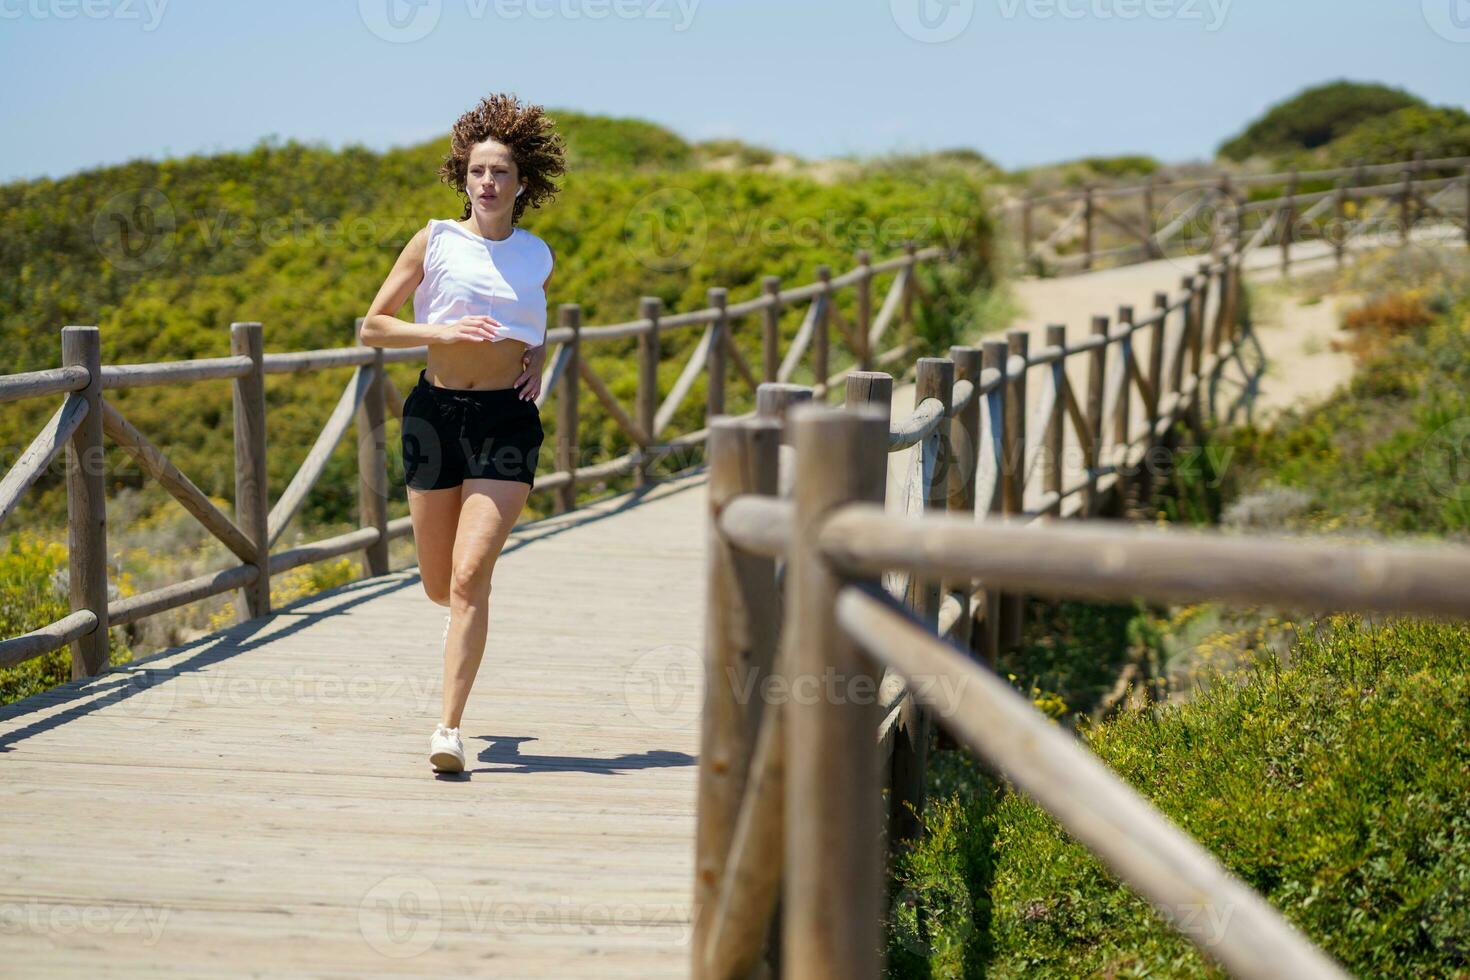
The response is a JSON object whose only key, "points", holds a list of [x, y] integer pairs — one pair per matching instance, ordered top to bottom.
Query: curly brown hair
{"points": [[526, 130]]}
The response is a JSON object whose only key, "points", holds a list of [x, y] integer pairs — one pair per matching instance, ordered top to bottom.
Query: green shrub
{"points": [[1315, 117], [1436, 132], [33, 592], [1332, 781]]}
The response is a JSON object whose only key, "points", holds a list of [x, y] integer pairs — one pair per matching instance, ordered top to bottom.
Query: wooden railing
{"points": [[1071, 231], [85, 416], [890, 622]]}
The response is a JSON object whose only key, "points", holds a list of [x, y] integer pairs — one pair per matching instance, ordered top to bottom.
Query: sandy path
{"points": [[1295, 337]]}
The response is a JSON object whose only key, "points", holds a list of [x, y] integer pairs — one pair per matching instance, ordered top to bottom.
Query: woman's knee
{"points": [[470, 582]]}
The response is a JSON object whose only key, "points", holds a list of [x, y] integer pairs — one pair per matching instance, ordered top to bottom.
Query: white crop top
{"points": [[465, 275]]}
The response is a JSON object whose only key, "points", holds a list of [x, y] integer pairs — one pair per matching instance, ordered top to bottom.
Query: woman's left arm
{"points": [[533, 361]]}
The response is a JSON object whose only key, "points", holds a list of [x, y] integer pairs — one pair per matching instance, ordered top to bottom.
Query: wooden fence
{"points": [[1071, 231], [85, 416], [814, 585]]}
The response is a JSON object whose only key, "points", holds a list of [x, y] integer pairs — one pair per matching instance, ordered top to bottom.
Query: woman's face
{"points": [[491, 178]]}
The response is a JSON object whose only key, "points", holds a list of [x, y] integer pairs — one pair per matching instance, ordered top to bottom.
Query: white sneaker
{"points": [[446, 751]]}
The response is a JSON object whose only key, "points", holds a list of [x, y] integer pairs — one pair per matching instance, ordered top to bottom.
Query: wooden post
{"points": [[1416, 175], [1406, 207], [1467, 207], [1226, 215], [1339, 218], [1089, 222], [1288, 224], [1238, 227], [1027, 232], [1151, 239], [864, 287], [1199, 295], [906, 306], [820, 332], [771, 335], [1056, 336], [648, 354], [1156, 355], [993, 358], [715, 359], [1097, 363], [1176, 364], [935, 379], [774, 399], [1123, 415], [568, 438], [964, 440], [1013, 456], [372, 464], [1127, 489], [252, 493], [86, 504], [741, 615], [832, 924]]}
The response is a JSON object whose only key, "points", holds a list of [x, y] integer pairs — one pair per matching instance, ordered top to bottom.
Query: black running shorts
{"points": [[454, 434]]}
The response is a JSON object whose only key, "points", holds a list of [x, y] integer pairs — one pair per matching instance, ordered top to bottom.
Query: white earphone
{"points": [[520, 190]]}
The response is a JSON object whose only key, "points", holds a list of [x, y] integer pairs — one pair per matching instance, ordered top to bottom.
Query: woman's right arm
{"points": [[382, 328]]}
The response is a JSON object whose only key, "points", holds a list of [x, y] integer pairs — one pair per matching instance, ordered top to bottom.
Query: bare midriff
{"points": [[475, 365]]}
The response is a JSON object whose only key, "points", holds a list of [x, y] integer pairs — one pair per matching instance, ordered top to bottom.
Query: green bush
{"points": [[1315, 117], [1436, 132], [33, 592], [1334, 785]]}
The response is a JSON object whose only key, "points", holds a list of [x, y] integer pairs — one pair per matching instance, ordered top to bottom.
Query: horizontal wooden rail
{"points": [[367, 398]]}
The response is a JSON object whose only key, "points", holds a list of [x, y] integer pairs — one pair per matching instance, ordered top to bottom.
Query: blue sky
{"points": [[92, 82]]}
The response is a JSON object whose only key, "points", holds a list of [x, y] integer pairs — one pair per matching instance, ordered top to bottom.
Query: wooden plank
{"points": [[278, 795]]}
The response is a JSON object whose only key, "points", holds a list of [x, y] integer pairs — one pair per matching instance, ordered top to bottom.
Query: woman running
{"points": [[471, 426]]}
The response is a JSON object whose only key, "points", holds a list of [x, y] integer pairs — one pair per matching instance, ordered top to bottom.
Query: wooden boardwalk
{"points": [[260, 801]]}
